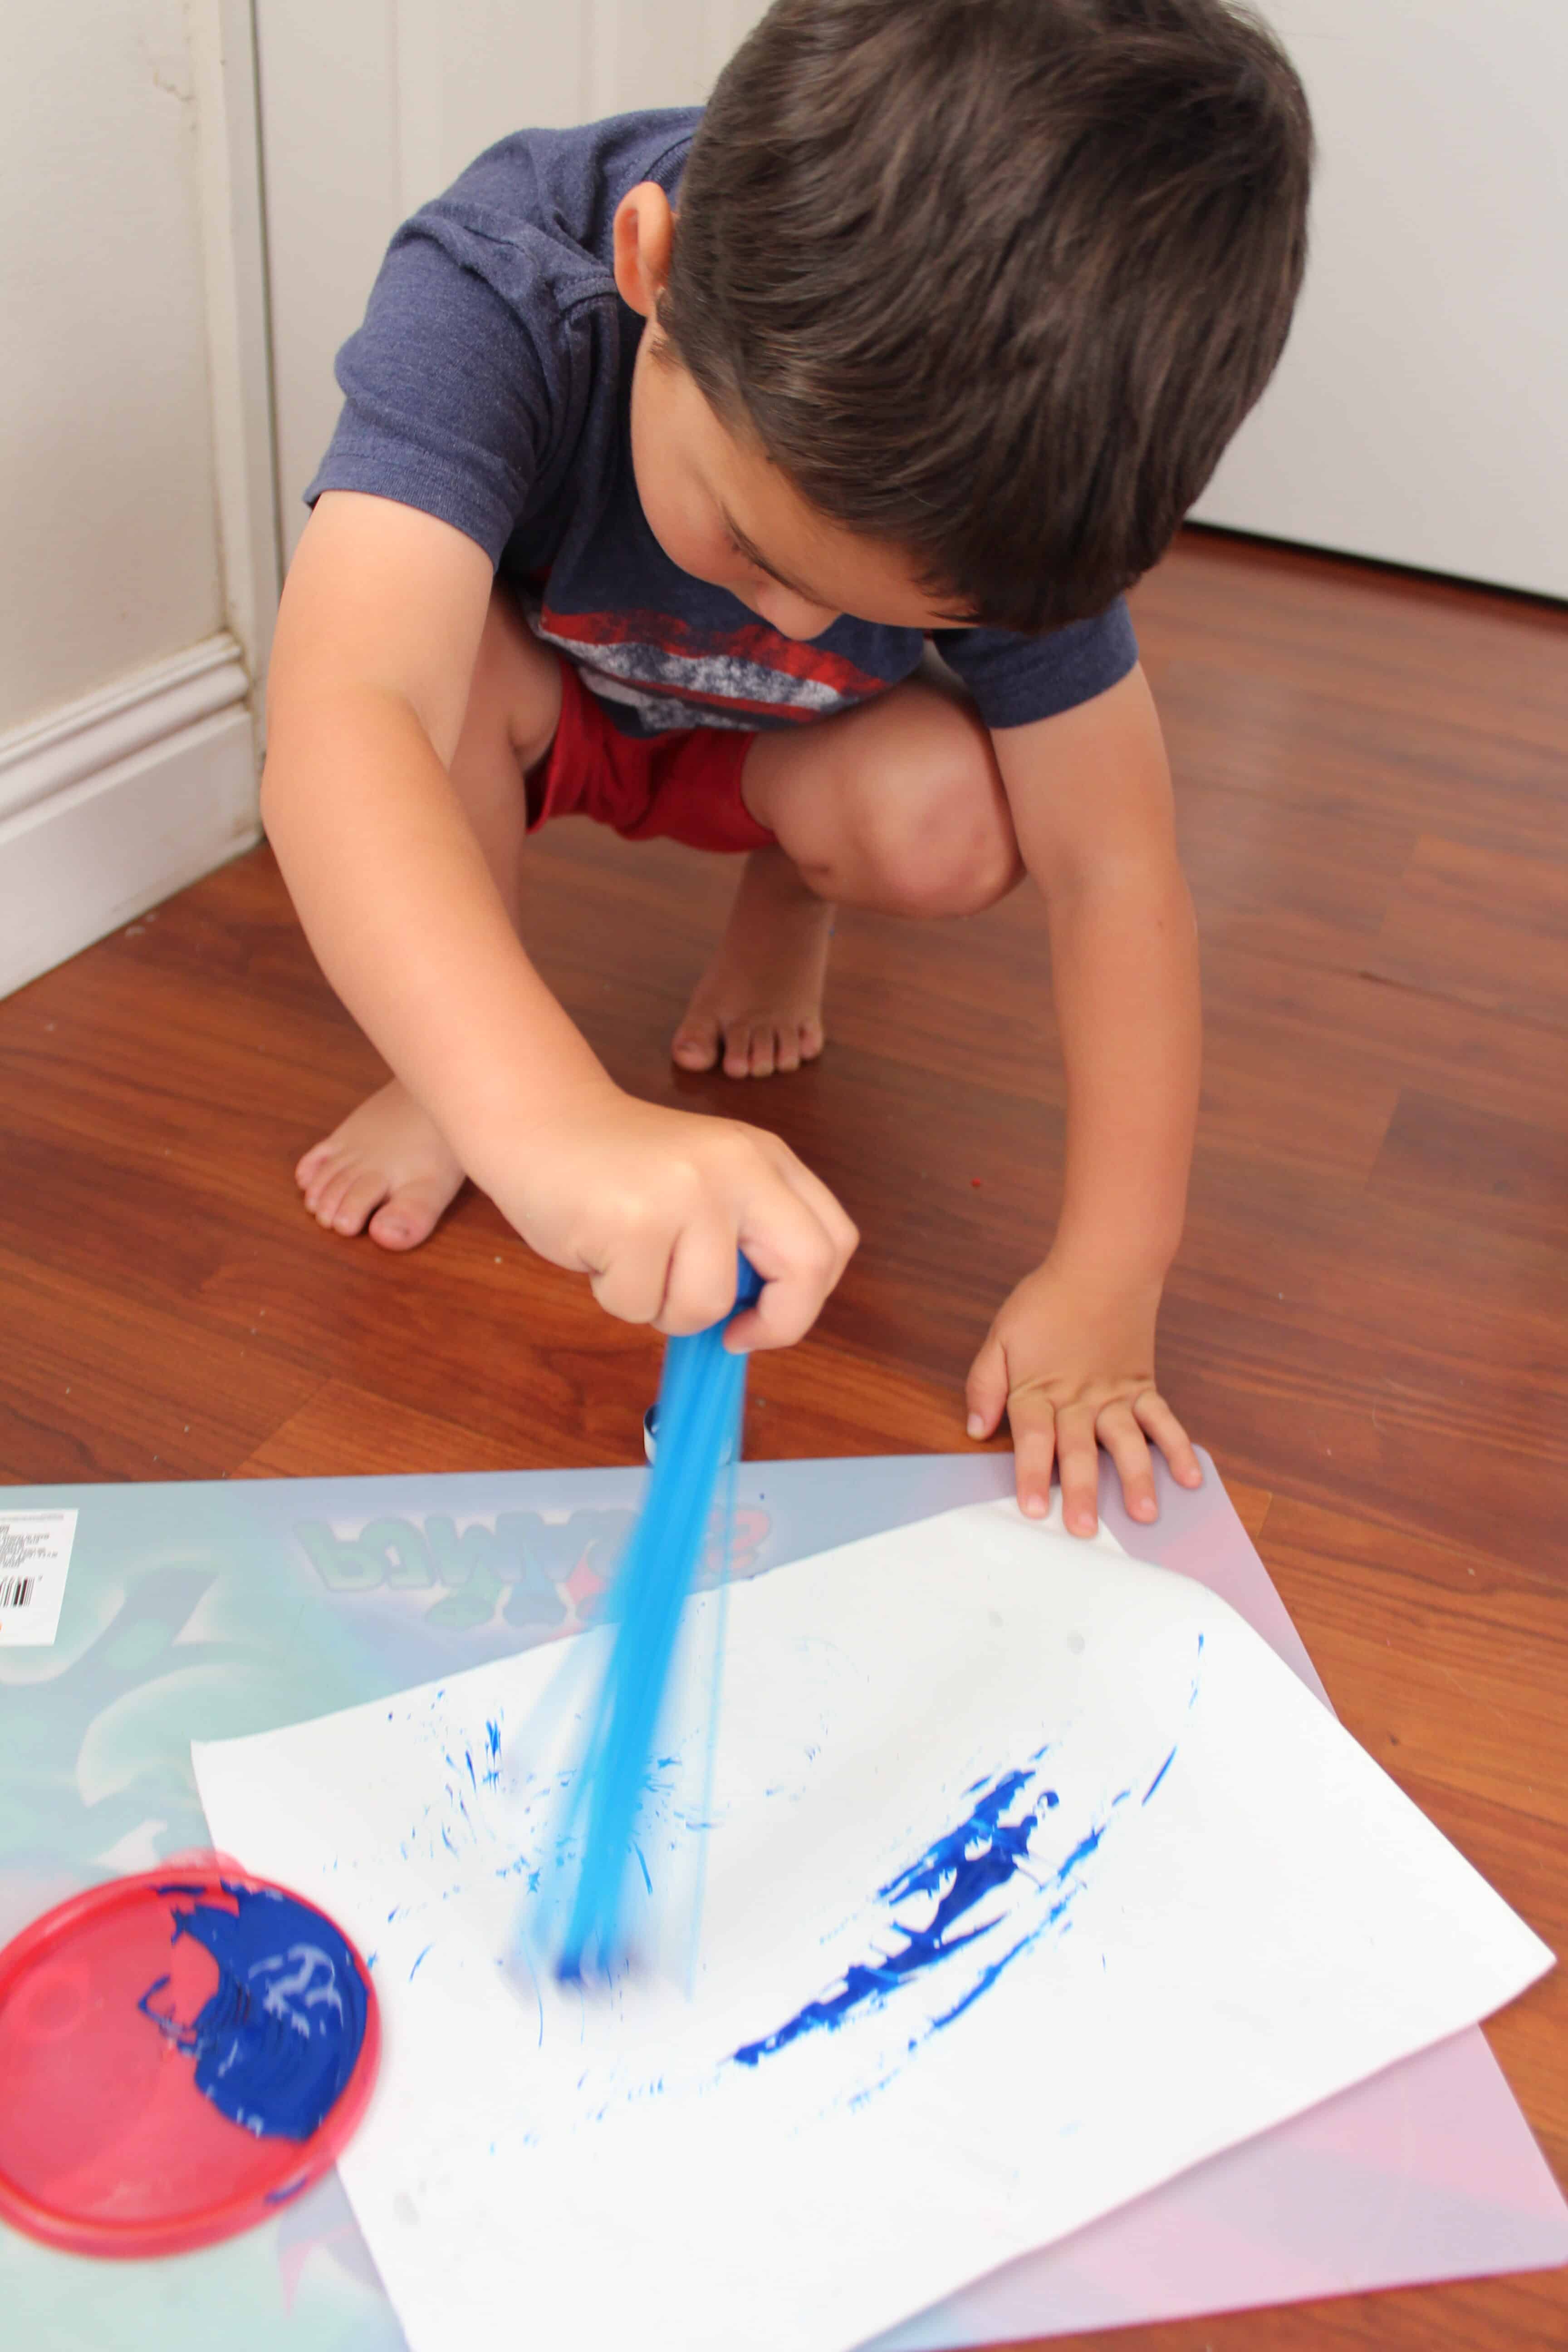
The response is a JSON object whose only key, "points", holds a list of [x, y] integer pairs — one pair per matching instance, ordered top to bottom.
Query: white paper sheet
{"points": [[1208, 1910]]}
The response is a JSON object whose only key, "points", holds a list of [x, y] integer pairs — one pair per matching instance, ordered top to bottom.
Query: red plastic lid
{"points": [[181, 2052]]}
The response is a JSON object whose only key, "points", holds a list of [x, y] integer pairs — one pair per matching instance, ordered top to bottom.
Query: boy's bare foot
{"points": [[758, 1006], [388, 1164]]}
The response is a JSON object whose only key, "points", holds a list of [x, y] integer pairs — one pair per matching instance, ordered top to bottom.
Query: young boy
{"points": [[667, 445]]}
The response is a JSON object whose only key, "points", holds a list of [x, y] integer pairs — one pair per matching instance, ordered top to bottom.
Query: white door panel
{"points": [[1420, 414]]}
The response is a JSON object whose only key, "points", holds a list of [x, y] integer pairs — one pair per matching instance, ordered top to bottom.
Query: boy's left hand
{"points": [[1070, 1359]]}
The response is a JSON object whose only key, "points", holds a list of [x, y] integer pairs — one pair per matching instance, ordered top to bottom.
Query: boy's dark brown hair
{"points": [[994, 282]]}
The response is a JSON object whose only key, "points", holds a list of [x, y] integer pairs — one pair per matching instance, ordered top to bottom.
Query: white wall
{"points": [[369, 107], [1421, 411], [109, 537], [137, 543]]}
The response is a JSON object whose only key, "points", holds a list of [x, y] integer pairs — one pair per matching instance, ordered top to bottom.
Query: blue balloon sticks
{"points": [[700, 1400]]}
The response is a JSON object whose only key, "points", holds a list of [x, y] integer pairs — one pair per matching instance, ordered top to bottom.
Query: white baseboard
{"points": [[84, 736], [119, 801]]}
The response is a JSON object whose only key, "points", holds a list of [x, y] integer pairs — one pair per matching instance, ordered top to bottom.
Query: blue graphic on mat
{"points": [[983, 1855], [277, 2043]]}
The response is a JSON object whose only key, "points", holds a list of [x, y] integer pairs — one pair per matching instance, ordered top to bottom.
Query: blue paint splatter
{"points": [[492, 1751], [1159, 1776], [980, 1855], [423, 1957], [276, 2043]]}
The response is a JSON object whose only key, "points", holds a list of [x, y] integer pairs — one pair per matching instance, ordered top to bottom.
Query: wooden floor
{"points": [[1368, 1324]]}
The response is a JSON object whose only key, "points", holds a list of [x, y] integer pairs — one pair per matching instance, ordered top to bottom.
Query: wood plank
{"points": [[1485, 924], [1353, 1030], [1448, 1157], [96, 1386], [348, 1433]]}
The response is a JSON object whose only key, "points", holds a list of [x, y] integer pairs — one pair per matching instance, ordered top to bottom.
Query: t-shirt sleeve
{"points": [[451, 395], [1016, 679]]}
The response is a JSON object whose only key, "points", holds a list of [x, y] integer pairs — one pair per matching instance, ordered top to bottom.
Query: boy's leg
{"points": [[898, 805], [388, 1165]]}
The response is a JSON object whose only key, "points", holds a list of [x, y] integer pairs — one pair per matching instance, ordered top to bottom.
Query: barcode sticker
{"points": [[34, 1557]]}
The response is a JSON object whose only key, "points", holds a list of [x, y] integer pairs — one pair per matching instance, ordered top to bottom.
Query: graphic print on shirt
{"points": [[662, 673]]}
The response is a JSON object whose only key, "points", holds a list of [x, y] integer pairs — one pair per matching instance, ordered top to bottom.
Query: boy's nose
{"points": [[791, 614]]}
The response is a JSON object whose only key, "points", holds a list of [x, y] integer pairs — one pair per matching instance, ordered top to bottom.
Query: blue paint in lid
{"points": [[277, 2041]]}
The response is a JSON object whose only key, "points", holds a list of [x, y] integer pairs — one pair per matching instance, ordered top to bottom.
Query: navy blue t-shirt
{"points": [[490, 386]]}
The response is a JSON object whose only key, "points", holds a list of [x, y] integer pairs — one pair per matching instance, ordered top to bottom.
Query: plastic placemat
{"points": [[203, 1610]]}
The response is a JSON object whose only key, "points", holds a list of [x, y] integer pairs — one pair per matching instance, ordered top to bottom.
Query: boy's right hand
{"points": [[653, 1204]]}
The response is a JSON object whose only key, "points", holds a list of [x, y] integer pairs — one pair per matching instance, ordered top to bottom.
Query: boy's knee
{"points": [[943, 841]]}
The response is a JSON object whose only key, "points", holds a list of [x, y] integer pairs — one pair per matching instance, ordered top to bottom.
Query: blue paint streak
{"points": [[700, 1400], [1159, 1776], [1084, 1848], [981, 1854], [418, 1963], [994, 1970], [276, 2043]]}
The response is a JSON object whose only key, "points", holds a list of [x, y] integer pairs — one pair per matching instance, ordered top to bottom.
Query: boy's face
{"points": [[717, 505]]}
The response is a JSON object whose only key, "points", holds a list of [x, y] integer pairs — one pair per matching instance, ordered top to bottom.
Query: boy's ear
{"points": [[645, 236]]}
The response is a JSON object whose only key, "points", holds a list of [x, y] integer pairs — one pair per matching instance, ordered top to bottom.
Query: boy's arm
{"points": [[380, 625], [1070, 1356]]}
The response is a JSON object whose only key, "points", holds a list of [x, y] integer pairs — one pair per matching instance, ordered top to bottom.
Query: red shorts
{"points": [[686, 784]]}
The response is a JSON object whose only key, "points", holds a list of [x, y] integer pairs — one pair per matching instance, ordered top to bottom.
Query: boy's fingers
{"points": [[814, 1194], [800, 1245], [799, 1261], [633, 1285], [701, 1287], [985, 1391], [1155, 1417], [1034, 1424], [1124, 1442], [1077, 1466]]}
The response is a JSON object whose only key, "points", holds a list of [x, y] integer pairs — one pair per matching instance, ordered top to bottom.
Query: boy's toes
{"points": [[812, 1038], [695, 1044], [786, 1049], [762, 1054], [310, 1170], [328, 1174], [326, 1192], [354, 1200], [409, 1218]]}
